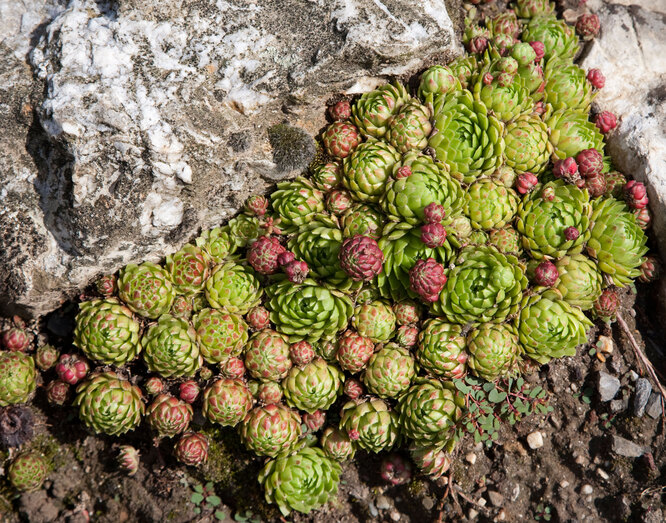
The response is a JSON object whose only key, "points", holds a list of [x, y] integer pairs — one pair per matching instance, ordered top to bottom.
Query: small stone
{"points": [[633, 376], [607, 386], [643, 391], [619, 405], [654, 406], [555, 422], [535, 440], [627, 448], [470, 458], [603, 474], [564, 483], [587, 489], [515, 492], [496, 499], [482, 502], [383, 503], [428, 503], [373, 510], [472, 514], [395, 515], [502, 515]]}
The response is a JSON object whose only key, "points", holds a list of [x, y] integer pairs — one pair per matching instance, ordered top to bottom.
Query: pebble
{"points": [[633, 375], [607, 386], [643, 391], [619, 405], [653, 408], [555, 422], [535, 440], [626, 448], [470, 458], [603, 474], [564, 483], [587, 489], [515, 492], [496, 499], [482, 502], [383, 503], [428, 503], [373, 510], [472, 514], [395, 515], [502, 515]]}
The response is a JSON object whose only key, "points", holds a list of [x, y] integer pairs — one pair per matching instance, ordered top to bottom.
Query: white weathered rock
{"points": [[630, 51], [148, 120], [535, 440]]}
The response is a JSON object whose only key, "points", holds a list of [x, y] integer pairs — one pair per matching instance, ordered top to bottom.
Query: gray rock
{"points": [[630, 52], [138, 123], [607, 386], [641, 396], [619, 405], [653, 408], [624, 447], [496, 499], [383, 503]]}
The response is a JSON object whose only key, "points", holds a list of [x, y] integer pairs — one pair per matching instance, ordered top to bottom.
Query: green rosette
{"points": [[559, 39], [567, 86], [372, 111], [571, 132], [528, 148], [367, 169], [295, 202], [490, 205], [580, 281], [233, 287], [146, 289], [220, 334], [171, 349], [441, 349], [493, 350], [314, 386], [371, 424]]}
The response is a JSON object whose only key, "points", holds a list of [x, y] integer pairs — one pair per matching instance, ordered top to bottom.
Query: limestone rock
{"points": [[137, 123]]}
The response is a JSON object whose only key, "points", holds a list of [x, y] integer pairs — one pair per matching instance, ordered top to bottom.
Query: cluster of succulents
{"points": [[468, 227]]}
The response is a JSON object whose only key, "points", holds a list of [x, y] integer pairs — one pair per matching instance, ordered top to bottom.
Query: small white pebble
{"points": [[633, 376], [573, 387], [535, 440], [470, 458], [581, 460], [603, 474], [564, 483], [587, 489], [515, 493], [482, 502], [428, 503], [373, 510], [472, 514], [395, 515], [502, 515]]}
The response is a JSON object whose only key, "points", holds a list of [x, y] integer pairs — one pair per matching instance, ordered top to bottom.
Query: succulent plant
{"points": [[533, 8], [587, 25], [558, 38], [567, 86], [504, 93], [340, 111], [373, 111], [605, 121], [408, 130], [571, 132], [340, 139], [468, 140], [528, 148], [367, 169], [327, 176], [405, 199], [295, 201], [338, 201], [490, 205], [362, 220], [542, 220], [507, 240], [616, 241], [216, 243], [263, 254], [361, 258], [189, 269], [427, 279], [580, 281], [107, 285], [484, 286], [233, 287], [146, 289], [607, 304], [308, 311], [407, 312], [258, 317], [375, 320], [548, 327], [107, 331], [219, 334], [15, 339], [171, 349], [441, 349], [492, 349], [354, 351], [301, 353], [46, 356], [267, 356], [389, 371], [17, 378], [154, 386], [314, 386], [188, 391], [57, 392], [269, 393], [227, 402], [108, 404], [429, 411], [169, 416], [371, 424], [270, 430], [337, 444], [192, 449], [128, 459], [430, 460], [28, 471], [302, 481]]}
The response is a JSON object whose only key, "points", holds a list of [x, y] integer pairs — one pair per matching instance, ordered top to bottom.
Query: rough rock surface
{"points": [[630, 51], [129, 125]]}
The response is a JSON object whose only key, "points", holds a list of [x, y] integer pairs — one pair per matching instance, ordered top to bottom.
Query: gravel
{"points": [[607, 386], [643, 391], [624, 447]]}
